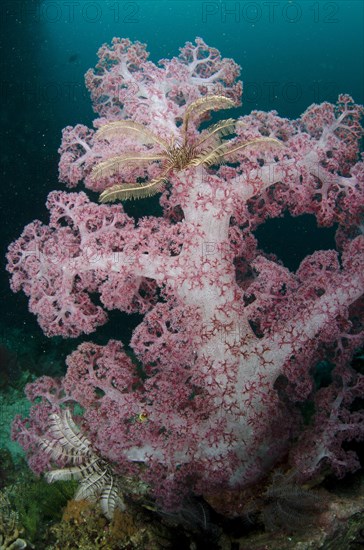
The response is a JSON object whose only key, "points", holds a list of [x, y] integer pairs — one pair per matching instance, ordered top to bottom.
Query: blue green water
{"points": [[292, 53]]}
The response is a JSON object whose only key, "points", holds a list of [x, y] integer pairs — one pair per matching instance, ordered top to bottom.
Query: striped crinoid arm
{"points": [[204, 104], [217, 131], [139, 132], [228, 149], [219, 153], [113, 165], [125, 191], [67, 441]]}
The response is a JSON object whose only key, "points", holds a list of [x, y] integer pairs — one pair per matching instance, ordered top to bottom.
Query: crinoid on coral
{"points": [[173, 155], [66, 443], [289, 506]]}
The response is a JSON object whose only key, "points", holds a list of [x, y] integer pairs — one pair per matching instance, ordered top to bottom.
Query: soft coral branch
{"points": [[229, 337]]}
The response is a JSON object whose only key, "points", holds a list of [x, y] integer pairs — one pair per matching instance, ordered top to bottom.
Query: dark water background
{"points": [[292, 54]]}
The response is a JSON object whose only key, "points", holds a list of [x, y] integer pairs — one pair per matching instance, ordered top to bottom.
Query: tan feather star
{"points": [[209, 150]]}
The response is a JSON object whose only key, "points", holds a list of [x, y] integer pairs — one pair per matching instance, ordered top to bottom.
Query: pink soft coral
{"points": [[222, 321]]}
